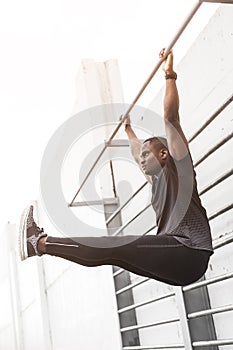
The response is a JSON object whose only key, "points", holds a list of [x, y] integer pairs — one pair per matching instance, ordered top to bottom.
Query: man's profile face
{"points": [[150, 159]]}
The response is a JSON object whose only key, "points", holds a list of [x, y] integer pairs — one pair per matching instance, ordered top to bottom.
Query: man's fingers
{"points": [[162, 52], [127, 120]]}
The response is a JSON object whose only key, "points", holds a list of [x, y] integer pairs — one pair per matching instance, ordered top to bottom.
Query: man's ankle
{"points": [[41, 246]]}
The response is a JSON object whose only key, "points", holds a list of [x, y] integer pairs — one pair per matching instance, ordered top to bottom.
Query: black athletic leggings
{"points": [[162, 258]]}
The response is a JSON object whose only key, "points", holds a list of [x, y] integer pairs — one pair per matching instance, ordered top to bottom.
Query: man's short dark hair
{"points": [[158, 141]]}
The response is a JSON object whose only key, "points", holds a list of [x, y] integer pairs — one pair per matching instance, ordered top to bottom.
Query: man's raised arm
{"points": [[177, 142], [135, 145]]}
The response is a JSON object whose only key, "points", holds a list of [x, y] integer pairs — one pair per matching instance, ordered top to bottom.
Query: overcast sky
{"points": [[42, 45]]}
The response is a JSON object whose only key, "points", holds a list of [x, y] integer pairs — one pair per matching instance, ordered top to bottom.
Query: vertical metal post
{"points": [[10, 232], [42, 296], [128, 318], [183, 318], [202, 327]]}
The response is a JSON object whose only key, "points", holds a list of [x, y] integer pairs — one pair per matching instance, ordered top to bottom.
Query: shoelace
{"points": [[38, 229]]}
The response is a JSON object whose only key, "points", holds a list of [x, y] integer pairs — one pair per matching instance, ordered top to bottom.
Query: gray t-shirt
{"points": [[178, 208]]}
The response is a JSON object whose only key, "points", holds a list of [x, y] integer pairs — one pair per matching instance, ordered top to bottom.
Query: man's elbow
{"points": [[171, 118]]}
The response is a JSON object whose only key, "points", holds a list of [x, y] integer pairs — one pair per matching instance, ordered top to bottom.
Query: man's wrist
{"points": [[170, 75], [127, 127]]}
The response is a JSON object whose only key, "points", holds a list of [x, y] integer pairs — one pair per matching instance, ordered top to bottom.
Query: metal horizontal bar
{"points": [[220, 1], [160, 61], [213, 116], [117, 143], [213, 149], [216, 182], [95, 202], [124, 205], [220, 212], [131, 220], [222, 241], [118, 272], [208, 282], [132, 285], [143, 303], [216, 310], [147, 325], [213, 342], [150, 347]]}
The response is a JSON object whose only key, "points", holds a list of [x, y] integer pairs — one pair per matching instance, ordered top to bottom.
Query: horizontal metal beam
{"points": [[220, 1], [211, 118], [117, 143], [213, 149], [216, 182], [107, 201], [124, 205], [221, 211], [131, 220], [222, 241], [118, 272], [208, 282], [132, 285], [143, 303], [216, 310], [147, 325], [213, 343], [150, 347]]}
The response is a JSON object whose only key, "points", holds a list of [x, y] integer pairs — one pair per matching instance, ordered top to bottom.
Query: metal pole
{"points": [[220, 1], [168, 49], [212, 118], [124, 205], [143, 303], [147, 325], [213, 342], [157, 347]]}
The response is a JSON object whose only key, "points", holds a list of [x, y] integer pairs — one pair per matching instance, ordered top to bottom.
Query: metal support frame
{"points": [[219, 1], [156, 68], [212, 117], [109, 143], [213, 149], [216, 182], [96, 202], [124, 205], [131, 220], [13, 276], [150, 301], [129, 317], [183, 318], [146, 325], [212, 343], [158, 347]]}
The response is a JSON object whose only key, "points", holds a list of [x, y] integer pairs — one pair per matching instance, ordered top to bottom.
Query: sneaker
{"points": [[29, 234]]}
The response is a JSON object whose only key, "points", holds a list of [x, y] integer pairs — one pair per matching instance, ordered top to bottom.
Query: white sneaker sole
{"points": [[22, 240]]}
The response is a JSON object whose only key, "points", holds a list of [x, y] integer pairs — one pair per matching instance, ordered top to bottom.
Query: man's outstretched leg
{"points": [[96, 250], [160, 257]]}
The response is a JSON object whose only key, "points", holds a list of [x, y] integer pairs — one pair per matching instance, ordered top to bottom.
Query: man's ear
{"points": [[164, 153]]}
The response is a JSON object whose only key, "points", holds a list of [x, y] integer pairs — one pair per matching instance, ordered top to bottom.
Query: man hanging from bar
{"points": [[179, 253]]}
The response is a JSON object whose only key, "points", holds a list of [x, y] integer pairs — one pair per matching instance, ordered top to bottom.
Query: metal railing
{"points": [[156, 68], [212, 117], [220, 243], [144, 303], [151, 324], [150, 347]]}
